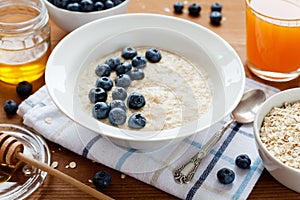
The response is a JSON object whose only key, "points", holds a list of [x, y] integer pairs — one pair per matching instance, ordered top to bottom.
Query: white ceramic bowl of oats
{"points": [[198, 81], [277, 135]]}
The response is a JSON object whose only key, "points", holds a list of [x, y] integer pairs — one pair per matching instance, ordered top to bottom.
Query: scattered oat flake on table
{"points": [[167, 10], [54, 164], [72, 164], [123, 176]]}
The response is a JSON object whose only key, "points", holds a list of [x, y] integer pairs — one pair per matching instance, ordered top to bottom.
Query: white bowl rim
{"points": [[257, 129], [162, 138]]}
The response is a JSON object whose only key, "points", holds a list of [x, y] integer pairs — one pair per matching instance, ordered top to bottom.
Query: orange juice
{"points": [[273, 35]]}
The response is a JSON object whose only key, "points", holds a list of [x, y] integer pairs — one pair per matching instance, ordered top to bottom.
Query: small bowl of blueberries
{"points": [[71, 14]]}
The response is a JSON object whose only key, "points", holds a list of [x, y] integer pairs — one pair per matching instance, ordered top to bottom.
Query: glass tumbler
{"points": [[273, 38], [24, 40]]}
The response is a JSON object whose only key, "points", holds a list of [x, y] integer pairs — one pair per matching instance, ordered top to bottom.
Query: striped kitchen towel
{"points": [[156, 168]]}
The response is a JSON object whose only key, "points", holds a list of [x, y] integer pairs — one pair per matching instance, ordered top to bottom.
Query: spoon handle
{"points": [[186, 172]]}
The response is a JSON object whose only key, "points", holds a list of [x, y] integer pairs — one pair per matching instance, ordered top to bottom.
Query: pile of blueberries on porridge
{"points": [[144, 88]]}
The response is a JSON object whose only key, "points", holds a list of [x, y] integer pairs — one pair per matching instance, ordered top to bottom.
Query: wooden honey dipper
{"points": [[11, 152]]}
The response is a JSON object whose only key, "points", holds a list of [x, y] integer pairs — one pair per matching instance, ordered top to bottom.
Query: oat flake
{"points": [[48, 120], [54, 164], [72, 164]]}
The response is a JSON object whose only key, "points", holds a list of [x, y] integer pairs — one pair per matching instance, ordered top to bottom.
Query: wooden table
{"points": [[232, 30]]}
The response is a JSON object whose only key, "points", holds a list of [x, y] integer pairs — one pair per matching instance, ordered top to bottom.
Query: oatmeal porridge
{"points": [[176, 91], [280, 133]]}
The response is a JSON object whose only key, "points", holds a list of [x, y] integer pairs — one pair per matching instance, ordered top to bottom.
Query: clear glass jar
{"points": [[24, 40]]}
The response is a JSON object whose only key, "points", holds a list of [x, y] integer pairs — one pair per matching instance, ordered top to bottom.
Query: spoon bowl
{"points": [[247, 108]]}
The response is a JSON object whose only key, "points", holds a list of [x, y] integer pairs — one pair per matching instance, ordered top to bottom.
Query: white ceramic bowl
{"points": [[70, 20], [198, 44], [286, 175]]}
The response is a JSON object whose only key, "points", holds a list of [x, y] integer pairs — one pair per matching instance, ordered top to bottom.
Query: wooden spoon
{"points": [[11, 151]]}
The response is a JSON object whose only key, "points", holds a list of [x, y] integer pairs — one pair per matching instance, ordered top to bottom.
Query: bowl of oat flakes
{"points": [[192, 79], [277, 136]]}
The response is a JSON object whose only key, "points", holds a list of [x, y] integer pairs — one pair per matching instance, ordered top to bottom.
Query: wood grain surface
{"points": [[232, 29]]}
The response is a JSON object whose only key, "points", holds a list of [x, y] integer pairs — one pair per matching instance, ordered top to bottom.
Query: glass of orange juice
{"points": [[273, 38]]}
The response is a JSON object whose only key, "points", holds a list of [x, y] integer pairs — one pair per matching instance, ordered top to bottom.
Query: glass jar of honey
{"points": [[24, 40]]}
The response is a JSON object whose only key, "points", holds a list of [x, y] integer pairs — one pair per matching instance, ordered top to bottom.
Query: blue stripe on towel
{"points": [[31, 104], [247, 134], [195, 144], [89, 145], [122, 160], [213, 162], [254, 168]]}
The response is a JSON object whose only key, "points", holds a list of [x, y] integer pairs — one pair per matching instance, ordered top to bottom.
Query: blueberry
{"points": [[117, 2], [61, 3], [109, 4], [87, 5], [98, 6], [73, 7], [178, 7], [216, 7], [194, 9], [215, 17], [129, 53], [153, 55], [113, 62], [139, 62], [123, 68], [103, 70], [136, 74], [123, 80], [104, 82], [24, 89], [119, 94], [97, 95], [136, 100], [117, 104], [10, 107], [100, 110], [117, 116], [137, 121], [243, 161], [226, 176], [101, 179]]}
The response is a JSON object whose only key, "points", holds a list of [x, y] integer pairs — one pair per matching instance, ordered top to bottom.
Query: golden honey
{"points": [[24, 40], [15, 73], [6, 172]]}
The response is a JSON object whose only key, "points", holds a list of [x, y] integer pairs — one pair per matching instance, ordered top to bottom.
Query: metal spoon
{"points": [[243, 113]]}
